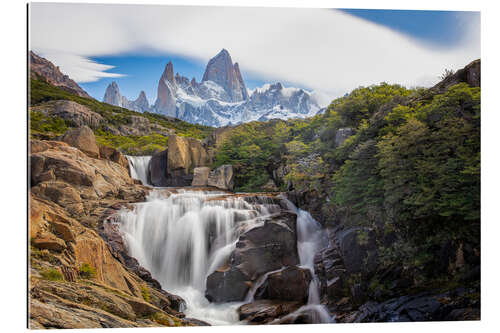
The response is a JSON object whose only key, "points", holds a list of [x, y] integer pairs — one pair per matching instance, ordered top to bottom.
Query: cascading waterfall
{"points": [[139, 166], [184, 237]]}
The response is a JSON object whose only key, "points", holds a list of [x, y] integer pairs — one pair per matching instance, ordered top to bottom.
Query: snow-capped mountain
{"points": [[113, 96], [221, 98]]}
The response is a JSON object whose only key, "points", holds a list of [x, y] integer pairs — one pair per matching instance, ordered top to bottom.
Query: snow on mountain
{"points": [[222, 97]]}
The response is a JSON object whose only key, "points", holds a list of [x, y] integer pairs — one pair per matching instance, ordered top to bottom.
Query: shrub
{"points": [[86, 271], [51, 274], [145, 293]]}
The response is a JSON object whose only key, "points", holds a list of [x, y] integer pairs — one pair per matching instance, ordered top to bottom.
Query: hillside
{"points": [[53, 110], [395, 170]]}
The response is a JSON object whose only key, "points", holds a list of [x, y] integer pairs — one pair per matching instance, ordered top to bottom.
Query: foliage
{"points": [[41, 123], [133, 145], [87, 271], [51, 274], [145, 293]]}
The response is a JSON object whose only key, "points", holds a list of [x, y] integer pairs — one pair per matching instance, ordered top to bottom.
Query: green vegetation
{"points": [[42, 125], [410, 172], [87, 271], [51, 274], [145, 294], [165, 319]]}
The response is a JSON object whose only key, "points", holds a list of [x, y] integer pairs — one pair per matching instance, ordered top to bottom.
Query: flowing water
{"points": [[139, 166], [183, 237]]}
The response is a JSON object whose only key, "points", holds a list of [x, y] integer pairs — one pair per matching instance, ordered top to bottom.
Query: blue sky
{"points": [[328, 51]]}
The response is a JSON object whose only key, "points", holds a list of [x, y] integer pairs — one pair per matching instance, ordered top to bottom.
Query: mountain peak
{"points": [[220, 69], [168, 73]]}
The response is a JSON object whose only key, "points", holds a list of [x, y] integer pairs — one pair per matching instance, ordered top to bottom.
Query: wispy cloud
{"points": [[325, 50]]}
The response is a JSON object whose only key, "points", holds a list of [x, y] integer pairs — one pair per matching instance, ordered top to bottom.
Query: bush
{"points": [[86, 271], [51, 274]]}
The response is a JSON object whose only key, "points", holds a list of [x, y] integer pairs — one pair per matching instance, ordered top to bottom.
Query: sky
{"points": [[330, 51]]}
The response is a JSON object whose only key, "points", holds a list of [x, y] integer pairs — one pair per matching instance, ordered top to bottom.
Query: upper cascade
{"points": [[220, 69]]}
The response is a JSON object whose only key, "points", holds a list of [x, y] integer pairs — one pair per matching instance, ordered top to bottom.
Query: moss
{"points": [[87, 271], [51, 274], [145, 293], [166, 320]]}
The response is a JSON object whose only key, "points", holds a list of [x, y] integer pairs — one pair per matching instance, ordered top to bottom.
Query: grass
{"points": [[87, 271], [51, 274], [145, 294]]}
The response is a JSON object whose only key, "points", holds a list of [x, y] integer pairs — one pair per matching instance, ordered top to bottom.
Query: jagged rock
{"points": [[41, 68], [220, 69], [112, 96], [165, 102], [72, 112], [342, 135], [82, 138], [184, 154], [200, 176], [222, 178], [49, 242], [358, 250], [289, 284], [227, 285], [265, 311]]}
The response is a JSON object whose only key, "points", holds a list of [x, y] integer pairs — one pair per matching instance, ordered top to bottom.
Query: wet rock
{"points": [[158, 168], [358, 250], [289, 284], [227, 285], [265, 311]]}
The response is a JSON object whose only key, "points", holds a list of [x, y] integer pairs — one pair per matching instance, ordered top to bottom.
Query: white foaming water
{"points": [[139, 166], [184, 237]]}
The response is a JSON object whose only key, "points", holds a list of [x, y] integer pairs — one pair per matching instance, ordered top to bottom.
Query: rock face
{"points": [[41, 68], [220, 69], [112, 96], [165, 102], [76, 114], [82, 138], [184, 154], [114, 155], [158, 168], [200, 176], [222, 178], [71, 193], [258, 251], [265, 311]]}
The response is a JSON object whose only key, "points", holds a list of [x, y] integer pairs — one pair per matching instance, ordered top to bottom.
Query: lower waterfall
{"points": [[139, 166], [183, 237]]}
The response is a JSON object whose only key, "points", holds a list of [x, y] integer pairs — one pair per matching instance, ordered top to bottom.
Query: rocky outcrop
{"points": [[42, 69], [220, 69], [470, 74], [166, 101], [71, 112], [82, 138], [184, 154], [114, 155], [222, 178], [70, 195], [259, 250]]}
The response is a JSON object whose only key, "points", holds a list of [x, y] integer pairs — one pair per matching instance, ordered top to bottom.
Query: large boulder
{"points": [[77, 114], [82, 138], [184, 154], [114, 155], [158, 168], [200, 176], [222, 178], [358, 249], [259, 250], [289, 284]]}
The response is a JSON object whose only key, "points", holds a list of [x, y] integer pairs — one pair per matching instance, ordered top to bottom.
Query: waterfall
{"points": [[139, 166], [182, 238]]}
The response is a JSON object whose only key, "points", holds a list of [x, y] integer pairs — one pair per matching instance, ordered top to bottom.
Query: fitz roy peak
{"points": [[221, 98]]}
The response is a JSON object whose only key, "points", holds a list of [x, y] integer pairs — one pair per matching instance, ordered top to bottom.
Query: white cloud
{"points": [[325, 50]]}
